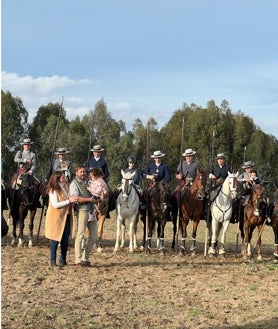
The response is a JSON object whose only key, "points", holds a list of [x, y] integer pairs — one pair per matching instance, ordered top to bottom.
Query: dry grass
{"points": [[139, 291]]}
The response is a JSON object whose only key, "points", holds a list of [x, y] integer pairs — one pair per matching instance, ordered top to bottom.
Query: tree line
{"points": [[234, 133]]}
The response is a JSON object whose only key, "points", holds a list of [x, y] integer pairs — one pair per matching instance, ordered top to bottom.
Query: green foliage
{"points": [[233, 132]]}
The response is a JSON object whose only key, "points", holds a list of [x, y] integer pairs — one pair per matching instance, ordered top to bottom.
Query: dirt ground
{"points": [[138, 290]]}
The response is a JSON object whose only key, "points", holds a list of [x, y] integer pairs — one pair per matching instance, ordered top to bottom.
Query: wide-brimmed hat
{"points": [[27, 141], [97, 148], [62, 150], [189, 152], [157, 154], [220, 156], [247, 164]]}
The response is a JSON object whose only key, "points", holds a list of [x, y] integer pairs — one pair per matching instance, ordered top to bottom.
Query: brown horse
{"points": [[24, 194], [192, 199], [102, 209], [254, 216], [274, 223]]}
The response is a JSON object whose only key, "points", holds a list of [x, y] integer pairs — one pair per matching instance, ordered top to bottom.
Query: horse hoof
{"points": [[13, 242], [20, 243], [30, 244], [99, 250], [193, 254], [260, 257], [275, 261]]}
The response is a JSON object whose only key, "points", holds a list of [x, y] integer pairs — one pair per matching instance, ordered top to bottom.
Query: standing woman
{"points": [[59, 216]]}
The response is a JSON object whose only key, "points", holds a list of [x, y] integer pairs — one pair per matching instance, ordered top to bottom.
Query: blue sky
{"points": [[144, 58]]}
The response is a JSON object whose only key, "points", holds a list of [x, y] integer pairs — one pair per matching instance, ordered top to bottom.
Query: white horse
{"points": [[127, 208], [221, 212]]}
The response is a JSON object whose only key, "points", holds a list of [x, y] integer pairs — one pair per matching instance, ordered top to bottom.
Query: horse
{"points": [[24, 195], [157, 199], [192, 199], [4, 206], [127, 208], [102, 210], [221, 212], [254, 216], [274, 223]]}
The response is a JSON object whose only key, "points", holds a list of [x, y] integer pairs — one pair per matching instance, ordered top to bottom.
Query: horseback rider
{"points": [[26, 159], [98, 161], [62, 163], [186, 171], [157, 172], [218, 175], [136, 178], [247, 179]]}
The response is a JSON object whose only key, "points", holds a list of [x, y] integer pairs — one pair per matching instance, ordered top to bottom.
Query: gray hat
{"points": [[27, 141], [97, 148], [62, 150], [189, 152], [157, 154], [220, 156], [248, 164]]}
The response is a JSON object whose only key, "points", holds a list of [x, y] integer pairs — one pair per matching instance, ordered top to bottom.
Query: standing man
{"points": [[26, 159], [97, 161], [78, 187]]}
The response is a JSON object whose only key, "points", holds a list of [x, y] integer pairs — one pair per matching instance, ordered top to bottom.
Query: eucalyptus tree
{"points": [[14, 128]]}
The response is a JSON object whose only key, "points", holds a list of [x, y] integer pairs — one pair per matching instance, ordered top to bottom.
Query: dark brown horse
{"points": [[24, 196], [157, 199], [192, 200], [273, 214], [254, 216]]}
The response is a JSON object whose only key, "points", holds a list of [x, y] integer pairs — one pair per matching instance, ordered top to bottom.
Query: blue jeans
{"points": [[63, 244]]}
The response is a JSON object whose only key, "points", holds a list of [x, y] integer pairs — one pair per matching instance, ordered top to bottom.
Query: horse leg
{"points": [[22, 215], [143, 219], [101, 220], [174, 221], [184, 223], [31, 227], [225, 227], [123, 229], [214, 230], [275, 230], [119, 233], [150, 233], [194, 234], [132, 235], [14, 237], [161, 238], [259, 243]]}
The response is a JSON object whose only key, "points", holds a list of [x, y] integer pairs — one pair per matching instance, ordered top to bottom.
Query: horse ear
{"points": [[122, 172], [229, 173], [237, 173]]}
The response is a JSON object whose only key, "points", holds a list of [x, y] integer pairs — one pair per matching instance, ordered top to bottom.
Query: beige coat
{"points": [[56, 219]]}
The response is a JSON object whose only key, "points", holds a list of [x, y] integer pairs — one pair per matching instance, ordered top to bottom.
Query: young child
{"points": [[97, 187]]}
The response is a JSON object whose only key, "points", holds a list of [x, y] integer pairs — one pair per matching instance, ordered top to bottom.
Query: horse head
{"points": [[127, 182], [199, 184], [232, 184], [28, 190], [257, 194]]}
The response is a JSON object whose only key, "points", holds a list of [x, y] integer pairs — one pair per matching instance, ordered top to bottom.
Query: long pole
{"points": [[91, 138], [55, 139], [51, 159], [210, 185], [147, 194], [179, 195], [239, 213]]}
